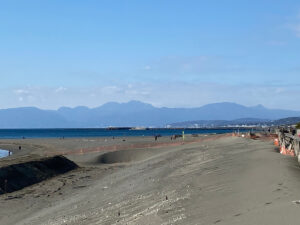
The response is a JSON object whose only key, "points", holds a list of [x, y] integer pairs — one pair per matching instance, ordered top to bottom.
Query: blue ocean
{"points": [[81, 133]]}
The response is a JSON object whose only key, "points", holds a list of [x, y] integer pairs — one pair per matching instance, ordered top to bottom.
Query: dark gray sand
{"points": [[229, 180]]}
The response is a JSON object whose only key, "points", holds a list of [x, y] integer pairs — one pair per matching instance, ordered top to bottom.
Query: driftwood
{"points": [[289, 143]]}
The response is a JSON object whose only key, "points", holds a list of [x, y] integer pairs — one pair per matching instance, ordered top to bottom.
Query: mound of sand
{"points": [[121, 156], [125, 156], [17, 176]]}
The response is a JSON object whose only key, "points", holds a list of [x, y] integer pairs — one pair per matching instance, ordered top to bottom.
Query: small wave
{"points": [[3, 153]]}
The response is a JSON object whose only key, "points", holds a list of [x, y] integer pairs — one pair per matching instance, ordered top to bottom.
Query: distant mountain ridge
{"points": [[133, 113]]}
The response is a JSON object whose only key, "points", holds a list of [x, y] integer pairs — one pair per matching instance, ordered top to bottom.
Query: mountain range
{"points": [[132, 114]]}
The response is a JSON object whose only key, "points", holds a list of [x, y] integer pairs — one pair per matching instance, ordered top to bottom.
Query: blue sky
{"points": [[167, 53]]}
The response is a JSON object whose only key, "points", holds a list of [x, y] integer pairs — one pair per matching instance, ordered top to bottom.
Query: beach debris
{"points": [[296, 202]]}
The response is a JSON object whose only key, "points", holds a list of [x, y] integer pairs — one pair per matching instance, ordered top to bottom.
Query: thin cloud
{"points": [[295, 26], [296, 29], [277, 43], [147, 67], [60, 89], [21, 91], [171, 94]]}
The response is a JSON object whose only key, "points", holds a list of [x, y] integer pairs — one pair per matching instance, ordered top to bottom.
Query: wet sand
{"points": [[215, 179]]}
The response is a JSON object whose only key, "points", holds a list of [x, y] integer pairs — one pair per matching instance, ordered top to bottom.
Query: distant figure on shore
{"points": [[157, 136], [173, 137], [20, 147]]}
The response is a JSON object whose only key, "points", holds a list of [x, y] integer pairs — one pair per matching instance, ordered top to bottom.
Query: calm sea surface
{"points": [[78, 133]]}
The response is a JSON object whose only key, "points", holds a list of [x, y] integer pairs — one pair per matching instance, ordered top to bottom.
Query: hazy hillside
{"points": [[133, 113], [30, 117], [237, 122], [222, 123]]}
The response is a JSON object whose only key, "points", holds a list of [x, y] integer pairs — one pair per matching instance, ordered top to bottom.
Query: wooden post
{"points": [[296, 147]]}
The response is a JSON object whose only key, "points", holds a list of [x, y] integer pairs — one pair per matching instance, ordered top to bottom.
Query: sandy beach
{"points": [[214, 179]]}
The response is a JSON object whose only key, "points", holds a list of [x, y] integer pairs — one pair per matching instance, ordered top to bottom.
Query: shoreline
{"points": [[107, 133], [67, 146]]}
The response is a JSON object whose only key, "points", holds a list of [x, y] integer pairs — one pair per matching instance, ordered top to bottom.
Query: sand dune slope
{"points": [[226, 181]]}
